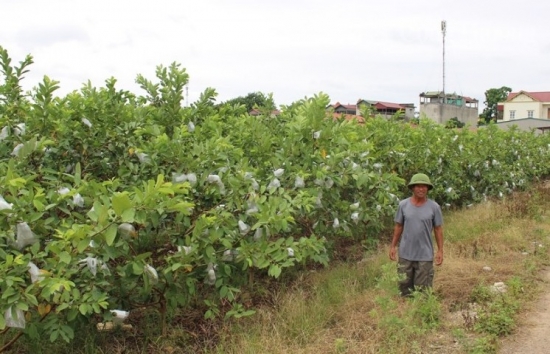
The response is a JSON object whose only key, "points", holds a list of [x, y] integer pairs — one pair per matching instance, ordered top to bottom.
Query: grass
{"points": [[354, 307]]}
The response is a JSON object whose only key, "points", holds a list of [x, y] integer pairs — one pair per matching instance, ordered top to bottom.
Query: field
{"points": [[192, 219]]}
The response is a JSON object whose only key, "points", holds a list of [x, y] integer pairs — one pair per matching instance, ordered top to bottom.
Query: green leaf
{"points": [[17, 182], [166, 190], [121, 202], [38, 205], [182, 207], [65, 210], [93, 214], [128, 215], [35, 216], [110, 234], [82, 245], [65, 257], [176, 266], [137, 268], [274, 270], [223, 291], [31, 299], [22, 306], [61, 307], [83, 308], [72, 314], [2, 321], [32, 331], [69, 331], [54, 335]]}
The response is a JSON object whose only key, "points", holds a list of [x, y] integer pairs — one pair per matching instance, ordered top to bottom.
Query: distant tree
{"points": [[492, 97], [253, 100], [367, 110], [398, 116], [481, 121], [454, 123]]}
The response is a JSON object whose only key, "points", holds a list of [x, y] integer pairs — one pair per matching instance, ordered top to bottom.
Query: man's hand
{"points": [[393, 253], [439, 257]]}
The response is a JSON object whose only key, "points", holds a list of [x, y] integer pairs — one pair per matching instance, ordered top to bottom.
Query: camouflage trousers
{"points": [[416, 274]]}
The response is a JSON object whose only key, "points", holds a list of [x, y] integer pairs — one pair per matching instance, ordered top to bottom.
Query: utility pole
{"points": [[444, 31]]}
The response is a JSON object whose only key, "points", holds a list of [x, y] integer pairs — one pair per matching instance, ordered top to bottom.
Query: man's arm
{"points": [[397, 231], [438, 231]]}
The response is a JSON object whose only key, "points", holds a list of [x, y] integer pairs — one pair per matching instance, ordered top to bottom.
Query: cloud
{"points": [[37, 37], [389, 51]]}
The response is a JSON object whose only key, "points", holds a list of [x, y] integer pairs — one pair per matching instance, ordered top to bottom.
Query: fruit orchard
{"points": [[116, 201]]}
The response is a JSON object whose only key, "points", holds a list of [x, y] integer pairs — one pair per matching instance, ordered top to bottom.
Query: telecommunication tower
{"points": [[444, 31], [187, 95]]}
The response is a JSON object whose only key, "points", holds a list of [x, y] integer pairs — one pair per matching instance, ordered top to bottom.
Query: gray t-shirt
{"points": [[418, 223]]}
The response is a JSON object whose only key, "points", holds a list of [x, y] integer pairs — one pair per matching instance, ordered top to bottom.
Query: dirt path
{"points": [[533, 333]]}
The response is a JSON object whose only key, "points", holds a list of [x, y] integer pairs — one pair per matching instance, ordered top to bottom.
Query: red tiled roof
{"points": [[537, 96], [382, 105], [385, 105], [346, 106]]}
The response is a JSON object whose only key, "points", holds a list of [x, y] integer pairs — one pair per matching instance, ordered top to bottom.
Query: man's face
{"points": [[420, 190]]}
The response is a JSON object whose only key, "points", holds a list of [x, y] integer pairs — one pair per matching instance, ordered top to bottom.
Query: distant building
{"points": [[525, 104], [441, 107], [344, 108], [384, 109], [388, 109], [526, 110]]}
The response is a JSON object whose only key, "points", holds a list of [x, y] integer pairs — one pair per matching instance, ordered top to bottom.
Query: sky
{"points": [[387, 51]]}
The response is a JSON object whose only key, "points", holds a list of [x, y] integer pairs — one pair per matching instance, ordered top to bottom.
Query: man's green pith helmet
{"points": [[420, 178]]}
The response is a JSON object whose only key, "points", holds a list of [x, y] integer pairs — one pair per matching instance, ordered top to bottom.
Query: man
{"points": [[415, 219]]}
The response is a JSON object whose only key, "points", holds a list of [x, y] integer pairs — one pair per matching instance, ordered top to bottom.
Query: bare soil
{"points": [[533, 333]]}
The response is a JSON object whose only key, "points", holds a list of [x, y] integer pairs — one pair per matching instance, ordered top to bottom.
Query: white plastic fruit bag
{"points": [[86, 122], [20, 129], [5, 133], [16, 149], [143, 157], [179, 177], [192, 178], [299, 182], [275, 183], [63, 190], [78, 200], [4, 204], [252, 208], [355, 217], [243, 227], [127, 230], [258, 234], [24, 236], [184, 249], [91, 263], [34, 271], [151, 273], [211, 274], [119, 316], [14, 319]]}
